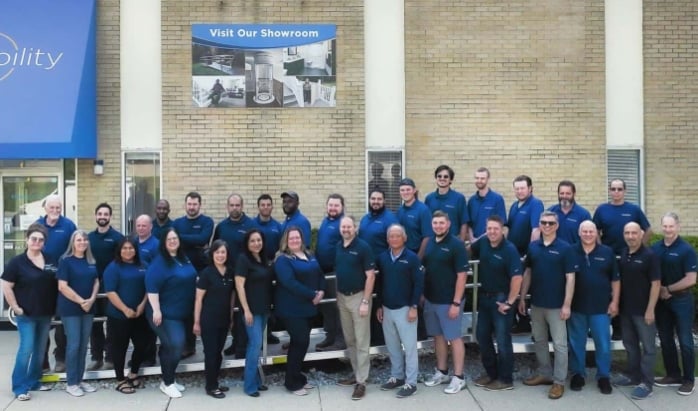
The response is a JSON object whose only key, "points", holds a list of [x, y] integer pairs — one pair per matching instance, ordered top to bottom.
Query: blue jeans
{"points": [[676, 314], [577, 327], [77, 333], [401, 333], [171, 334], [255, 334], [33, 337], [499, 366]]}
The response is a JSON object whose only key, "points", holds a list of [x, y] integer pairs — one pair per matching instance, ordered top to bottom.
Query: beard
{"points": [[564, 203], [376, 211], [102, 222]]}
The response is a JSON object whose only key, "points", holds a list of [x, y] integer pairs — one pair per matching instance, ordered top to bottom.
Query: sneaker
{"points": [[95, 365], [60, 366], [437, 378], [482, 380], [537, 380], [624, 381], [667, 381], [577, 382], [392, 383], [497, 385], [604, 385], [179, 386], [455, 386], [44, 387], [87, 387], [686, 388], [74, 390], [170, 390], [406, 391], [556, 391], [300, 392], [359, 392], [641, 392], [24, 397]]}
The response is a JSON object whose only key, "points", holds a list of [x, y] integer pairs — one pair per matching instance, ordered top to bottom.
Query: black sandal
{"points": [[136, 382], [125, 387], [215, 393]]}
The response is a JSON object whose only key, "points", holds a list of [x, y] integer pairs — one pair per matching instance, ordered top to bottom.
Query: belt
{"points": [[350, 293]]}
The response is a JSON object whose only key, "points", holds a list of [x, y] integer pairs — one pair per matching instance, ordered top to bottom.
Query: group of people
{"points": [[176, 279]]}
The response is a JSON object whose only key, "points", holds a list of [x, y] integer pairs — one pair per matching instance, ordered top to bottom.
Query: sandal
{"points": [[136, 382], [125, 387], [24, 397]]}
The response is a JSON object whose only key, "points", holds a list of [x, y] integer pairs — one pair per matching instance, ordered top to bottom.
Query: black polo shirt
{"points": [[637, 271], [258, 283], [35, 289], [215, 308]]}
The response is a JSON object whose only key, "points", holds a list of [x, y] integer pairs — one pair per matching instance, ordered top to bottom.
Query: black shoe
{"points": [[616, 336], [272, 339], [324, 343], [230, 350], [187, 354], [577, 382], [604, 385], [223, 388], [263, 388], [215, 393], [254, 394]]}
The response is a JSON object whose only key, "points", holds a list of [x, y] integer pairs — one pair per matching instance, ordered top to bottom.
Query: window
{"points": [[626, 164], [384, 170], [141, 188]]}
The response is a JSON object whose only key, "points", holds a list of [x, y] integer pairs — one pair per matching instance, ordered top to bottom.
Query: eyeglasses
{"points": [[443, 176], [616, 189], [550, 223], [36, 239]]}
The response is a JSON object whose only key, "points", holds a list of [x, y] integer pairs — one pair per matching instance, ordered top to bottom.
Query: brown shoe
{"points": [[482, 380], [537, 380], [347, 382], [556, 391], [359, 392]]}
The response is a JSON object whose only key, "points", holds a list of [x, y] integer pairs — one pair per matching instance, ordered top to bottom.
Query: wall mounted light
{"points": [[98, 167]]}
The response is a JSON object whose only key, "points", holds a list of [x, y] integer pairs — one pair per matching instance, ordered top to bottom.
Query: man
{"points": [[449, 201], [484, 203], [569, 213], [294, 217], [415, 217], [162, 218], [268, 225], [374, 225], [60, 229], [328, 236], [103, 242], [147, 243], [446, 266], [355, 270], [500, 278], [549, 278], [399, 289], [639, 290], [596, 297], [675, 309]]}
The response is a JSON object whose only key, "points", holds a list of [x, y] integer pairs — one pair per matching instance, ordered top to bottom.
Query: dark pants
{"points": [[330, 313], [676, 315], [298, 329], [121, 331], [239, 334], [172, 335], [59, 337], [190, 337], [213, 339], [100, 344], [641, 359], [499, 365]]}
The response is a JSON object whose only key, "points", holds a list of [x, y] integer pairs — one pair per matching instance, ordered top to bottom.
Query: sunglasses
{"points": [[550, 223]]}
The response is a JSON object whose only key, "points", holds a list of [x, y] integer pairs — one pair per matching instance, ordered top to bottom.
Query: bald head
{"points": [[144, 226], [632, 234]]}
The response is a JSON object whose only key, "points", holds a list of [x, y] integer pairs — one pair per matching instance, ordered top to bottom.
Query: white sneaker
{"points": [[437, 378], [179, 386], [455, 386], [87, 387], [74, 390], [170, 390]]}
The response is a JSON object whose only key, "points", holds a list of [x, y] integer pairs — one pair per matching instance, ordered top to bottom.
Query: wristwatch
{"points": [[364, 301], [456, 303]]}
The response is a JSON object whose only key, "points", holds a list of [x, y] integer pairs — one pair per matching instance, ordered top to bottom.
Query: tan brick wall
{"points": [[671, 109]]}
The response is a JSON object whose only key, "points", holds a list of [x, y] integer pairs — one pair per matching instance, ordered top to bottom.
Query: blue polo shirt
{"points": [[452, 203], [479, 208], [298, 220], [522, 220], [611, 220], [417, 222], [568, 228], [159, 229], [373, 230], [233, 233], [272, 235], [58, 236], [194, 236], [328, 236], [103, 246], [148, 249], [675, 260], [442, 262], [351, 264], [497, 264], [549, 267], [637, 271], [594, 274], [80, 276], [400, 279], [297, 281], [128, 282], [176, 286]]}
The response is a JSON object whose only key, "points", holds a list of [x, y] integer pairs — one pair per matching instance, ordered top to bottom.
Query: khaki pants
{"points": [[357, 333]]}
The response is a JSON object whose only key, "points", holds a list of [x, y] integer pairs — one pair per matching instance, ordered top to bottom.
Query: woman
{"points": [[253, 281], [170, 282], [124, 283], [29, 285], [78, 285], [300, 285], [213, 312]]}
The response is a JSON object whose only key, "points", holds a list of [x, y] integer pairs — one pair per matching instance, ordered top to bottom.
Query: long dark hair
{"points": [[214, 247], [117, 251], [262, 252], [169, 260]]}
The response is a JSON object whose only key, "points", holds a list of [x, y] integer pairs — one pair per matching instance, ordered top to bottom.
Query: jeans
{"points": [[676, 314], [544, 320], [577, 327], [298, 329], [121, 331], [77, 333], [401, 333], [357, 334], [172, 336], [255, 336], [33, 337], [213, 340], [640, 359], [498, 365]]}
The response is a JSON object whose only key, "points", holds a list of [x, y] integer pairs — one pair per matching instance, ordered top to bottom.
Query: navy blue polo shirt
{"points": [[452, 203], [479, 208], [298, 220], [522, 220], [611, 220], [417, 222], [374, 228], [568, 228], [159, 229], [233, 233], [272, 235], [58, 236], [194, 236], [328, 236], [103, 246], [148, 249], [675, 260], [442, 262], [351, 264], [497, 264], [549, 268], [637, 271], [594, 274], [80, 276], [400, 279], [297, 281], [128, 282], [258, 283], [176, 286], [35, 289], [216, 304]]}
